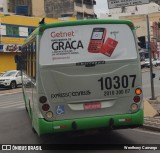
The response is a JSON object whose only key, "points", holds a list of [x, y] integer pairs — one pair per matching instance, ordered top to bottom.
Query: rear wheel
{"points": [[13, 85]]}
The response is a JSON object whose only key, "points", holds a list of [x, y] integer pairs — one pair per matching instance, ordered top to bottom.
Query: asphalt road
{"points": [[15, 127]]}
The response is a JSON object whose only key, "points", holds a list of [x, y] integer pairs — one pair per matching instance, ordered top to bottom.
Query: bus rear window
{"points": [[85, 43]]}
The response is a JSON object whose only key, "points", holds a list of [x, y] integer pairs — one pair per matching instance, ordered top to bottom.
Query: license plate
{"points": [[91, 106]]}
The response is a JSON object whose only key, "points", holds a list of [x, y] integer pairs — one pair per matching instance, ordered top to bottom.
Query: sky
{"points": [[101, 7]]}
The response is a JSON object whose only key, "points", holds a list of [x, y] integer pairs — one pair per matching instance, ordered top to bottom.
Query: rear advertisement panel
{"points": [[87, 43]]}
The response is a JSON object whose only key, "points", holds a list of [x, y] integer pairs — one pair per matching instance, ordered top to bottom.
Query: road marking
{"points": [[10, 93], [11, 103], [21, 107], [148, 132]]}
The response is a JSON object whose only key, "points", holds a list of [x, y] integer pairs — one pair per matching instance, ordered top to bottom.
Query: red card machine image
{"points": [[97, 40], [109, 47]]}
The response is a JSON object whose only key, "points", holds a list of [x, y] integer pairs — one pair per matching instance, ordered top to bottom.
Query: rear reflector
{"points": [[45, 107], [63, 126]]}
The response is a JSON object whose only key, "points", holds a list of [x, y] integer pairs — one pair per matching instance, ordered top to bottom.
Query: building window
{"points": [[89, 6], [12, 30], [30, 30], [29, 60]]}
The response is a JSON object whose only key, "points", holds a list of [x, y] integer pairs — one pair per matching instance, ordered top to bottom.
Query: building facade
{"points": [[156, 1], [20, 7], [24, 7], [82, 9], [137, 14], [140, 23], [13, 31]]}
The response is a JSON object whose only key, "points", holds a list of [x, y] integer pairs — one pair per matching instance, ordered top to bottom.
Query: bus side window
{"points": [[31, 51], [34, 60]]}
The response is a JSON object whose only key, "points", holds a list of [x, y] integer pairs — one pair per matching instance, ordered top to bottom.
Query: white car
{"points": [[155, 62], [11, 79]]}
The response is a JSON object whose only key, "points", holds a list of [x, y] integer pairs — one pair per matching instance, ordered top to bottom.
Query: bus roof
{"points": [[39, 30]]}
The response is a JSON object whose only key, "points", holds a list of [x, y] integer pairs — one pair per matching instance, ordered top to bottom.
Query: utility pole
{"points": [[83, 8], [150, 60]]}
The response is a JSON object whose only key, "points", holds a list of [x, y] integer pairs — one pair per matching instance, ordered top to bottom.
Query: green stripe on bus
{"points": [[90, 123]]}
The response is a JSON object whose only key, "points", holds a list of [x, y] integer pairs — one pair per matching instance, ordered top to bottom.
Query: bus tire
{"points": [[13, 85], [26, 107], [34, 131]]}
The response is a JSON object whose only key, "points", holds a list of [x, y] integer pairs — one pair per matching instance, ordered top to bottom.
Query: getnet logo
{"points": [[62, 34]]}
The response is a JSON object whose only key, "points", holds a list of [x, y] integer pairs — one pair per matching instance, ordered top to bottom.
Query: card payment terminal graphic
{"points": [[97, 40], [98, 44], [109, 47]]}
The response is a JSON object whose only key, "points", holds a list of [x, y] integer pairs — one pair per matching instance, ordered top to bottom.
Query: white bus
{"points": [[82, 75]]}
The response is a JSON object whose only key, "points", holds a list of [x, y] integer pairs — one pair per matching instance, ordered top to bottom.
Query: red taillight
{"points": [[42, 99], [136, 99], [45, 107], [63, 126]]}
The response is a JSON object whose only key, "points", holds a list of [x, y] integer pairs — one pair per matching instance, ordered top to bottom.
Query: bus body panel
{"points": [[88, 73], [86, 83], [73, 91], [132, 121]]}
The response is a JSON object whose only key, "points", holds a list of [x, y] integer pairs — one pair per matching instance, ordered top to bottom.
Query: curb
{"points": [[148, 69], [152, 128]]}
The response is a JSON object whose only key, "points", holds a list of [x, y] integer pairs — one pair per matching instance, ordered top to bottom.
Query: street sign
{"points": [[121, 3]]}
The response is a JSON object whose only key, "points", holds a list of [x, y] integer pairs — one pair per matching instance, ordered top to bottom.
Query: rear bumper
{"points": [[108, 122]]}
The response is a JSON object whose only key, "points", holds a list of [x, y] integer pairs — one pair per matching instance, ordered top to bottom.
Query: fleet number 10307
{"points": [[117, 82]]}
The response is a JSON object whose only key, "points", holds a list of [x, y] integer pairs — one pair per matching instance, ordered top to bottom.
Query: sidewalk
{"points": [[152, 114]]}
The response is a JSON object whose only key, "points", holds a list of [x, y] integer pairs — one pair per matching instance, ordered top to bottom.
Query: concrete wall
{"points": [[38, 8], [54, 8], [141, 22], [7, 61]]}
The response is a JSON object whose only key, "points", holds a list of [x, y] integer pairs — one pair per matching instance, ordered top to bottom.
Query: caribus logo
{"points": [[62, 34]]}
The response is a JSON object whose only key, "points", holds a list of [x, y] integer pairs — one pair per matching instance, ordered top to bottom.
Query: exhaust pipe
{"points": [[111, 124], [74, 125]]}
